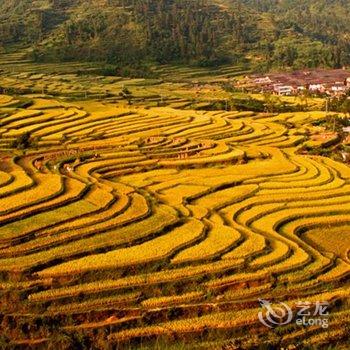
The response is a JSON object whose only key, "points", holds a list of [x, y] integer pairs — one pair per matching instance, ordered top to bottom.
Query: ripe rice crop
{"points": [[21, 181], [47, 186], [73, 190], [179, 194], [224, 197], [41, 220], [134, 223], [151, 225], [219, 239], [333, 239], [252, 245], [156, 249], [279, 251], [164, 276], [172, 300], [94, 304]]}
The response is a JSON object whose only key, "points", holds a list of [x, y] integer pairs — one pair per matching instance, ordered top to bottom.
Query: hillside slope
{"points": [[270, 33]]}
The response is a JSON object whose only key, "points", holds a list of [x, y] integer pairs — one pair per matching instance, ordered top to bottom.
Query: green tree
{"points": [[23, 142]]}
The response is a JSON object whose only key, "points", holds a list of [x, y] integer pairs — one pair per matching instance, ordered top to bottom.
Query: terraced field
{"points": [[170, 85], [128, 226]]}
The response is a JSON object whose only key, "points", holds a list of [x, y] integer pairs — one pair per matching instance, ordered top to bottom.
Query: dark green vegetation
{"points": [[269, 33], [300, 33]]}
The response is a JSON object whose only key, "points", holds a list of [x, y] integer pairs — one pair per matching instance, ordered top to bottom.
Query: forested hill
{"points": [[269, 33]]}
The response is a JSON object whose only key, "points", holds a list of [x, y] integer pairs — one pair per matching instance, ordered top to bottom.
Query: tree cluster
{"points": [[288, 34]]}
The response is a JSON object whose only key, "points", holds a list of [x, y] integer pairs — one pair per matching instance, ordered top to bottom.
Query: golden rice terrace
{"points": [[131, 227]]}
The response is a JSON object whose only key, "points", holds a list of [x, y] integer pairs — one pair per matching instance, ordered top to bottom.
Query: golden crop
{"points": [[191, 214]]}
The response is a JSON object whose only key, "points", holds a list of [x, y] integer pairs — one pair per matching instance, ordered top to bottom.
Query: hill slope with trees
{"points": [[269, 33]]}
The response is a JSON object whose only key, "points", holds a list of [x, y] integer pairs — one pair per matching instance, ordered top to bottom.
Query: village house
{"points": [[263, 80], [317, 81], [321, 88], [339, 88], [283, 90]]}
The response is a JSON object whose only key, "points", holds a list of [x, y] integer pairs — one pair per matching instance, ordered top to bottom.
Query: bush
{"points": [[134, 71], [24, 141]]}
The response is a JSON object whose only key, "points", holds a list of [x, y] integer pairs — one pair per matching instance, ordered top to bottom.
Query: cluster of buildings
{"points": [[334, 82]]}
